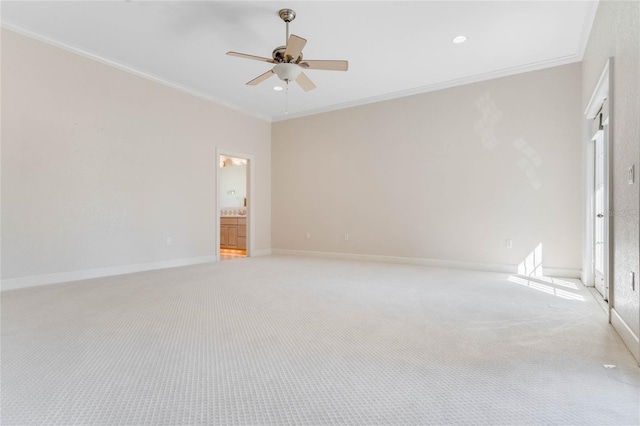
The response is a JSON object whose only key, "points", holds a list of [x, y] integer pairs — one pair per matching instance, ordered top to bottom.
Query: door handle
{"points": [[600, 215]]}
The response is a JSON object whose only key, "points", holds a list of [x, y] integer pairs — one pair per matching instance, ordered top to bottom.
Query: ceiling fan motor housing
{"points": [[279, 56]]}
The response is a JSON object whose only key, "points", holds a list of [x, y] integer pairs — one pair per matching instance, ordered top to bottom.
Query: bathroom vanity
{"points": [[233, 232]]}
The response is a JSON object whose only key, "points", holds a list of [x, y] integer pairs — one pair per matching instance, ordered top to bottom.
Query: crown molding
{"points": [[590, 17], [584, 38], [535, 66], [127, 68]]}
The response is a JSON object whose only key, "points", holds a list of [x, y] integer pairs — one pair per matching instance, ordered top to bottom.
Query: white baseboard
{"points": [[262, 252], [455, 264], [562, 272], [586, 279], [35, 280], [628, 336]]}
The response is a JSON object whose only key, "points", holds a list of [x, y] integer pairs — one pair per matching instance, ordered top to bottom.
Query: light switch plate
{"points": [[631, 177], [632, 281]]}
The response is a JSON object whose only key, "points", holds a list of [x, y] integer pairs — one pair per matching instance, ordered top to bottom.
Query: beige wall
{"points": [[616, 34], [100, 166], [445, 175]]}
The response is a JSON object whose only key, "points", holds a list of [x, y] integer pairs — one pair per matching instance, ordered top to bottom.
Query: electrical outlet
{"points": [[346, 237], [169, 241], [508, 243]]}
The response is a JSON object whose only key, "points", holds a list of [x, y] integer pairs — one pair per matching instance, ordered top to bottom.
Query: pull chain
{"points": [[286, 99]]}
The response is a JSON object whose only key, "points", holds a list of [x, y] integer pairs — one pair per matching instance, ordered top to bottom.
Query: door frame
{"points": [[601, 92], [602, 135], [250, 198]]}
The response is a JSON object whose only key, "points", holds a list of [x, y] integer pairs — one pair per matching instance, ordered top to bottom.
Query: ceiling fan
{"points": [[288, 60]]}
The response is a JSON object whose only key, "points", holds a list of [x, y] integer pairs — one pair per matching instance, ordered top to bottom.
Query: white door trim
{"points": [[601, 92], [601, 136], [250, 197]]}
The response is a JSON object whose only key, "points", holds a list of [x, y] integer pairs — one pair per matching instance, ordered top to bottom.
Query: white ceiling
{"points": [[394, 48]]}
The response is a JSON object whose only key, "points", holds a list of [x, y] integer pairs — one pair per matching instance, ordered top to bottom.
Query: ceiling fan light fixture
{"points": [[287, 71]]}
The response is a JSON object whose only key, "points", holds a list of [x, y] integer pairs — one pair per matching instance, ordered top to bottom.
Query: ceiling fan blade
{"points": [[295, 45], [255, 58], [325, 65], [259, 79], [305, 83]]}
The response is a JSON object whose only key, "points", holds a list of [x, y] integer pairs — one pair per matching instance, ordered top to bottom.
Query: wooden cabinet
{"points": [[224, 232], [233, 232], [242, 233]]}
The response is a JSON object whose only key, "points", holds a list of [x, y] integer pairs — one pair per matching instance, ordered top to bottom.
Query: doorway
{"points": [[600, 204], [233, 205], [596, 265]]}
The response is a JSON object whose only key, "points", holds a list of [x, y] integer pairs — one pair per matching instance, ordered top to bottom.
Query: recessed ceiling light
{"points": [[459, 39], [277, 88]]}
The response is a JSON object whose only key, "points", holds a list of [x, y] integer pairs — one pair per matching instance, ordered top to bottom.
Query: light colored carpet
{"points": [[283, 340]]}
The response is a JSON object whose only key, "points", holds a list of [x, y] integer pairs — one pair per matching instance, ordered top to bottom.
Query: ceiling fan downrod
{"points": [[287, 15]]}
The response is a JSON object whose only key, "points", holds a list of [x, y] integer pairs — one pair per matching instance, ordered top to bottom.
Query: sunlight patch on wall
{"points": [[485, 125], [528, 162], [531, 266]]}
